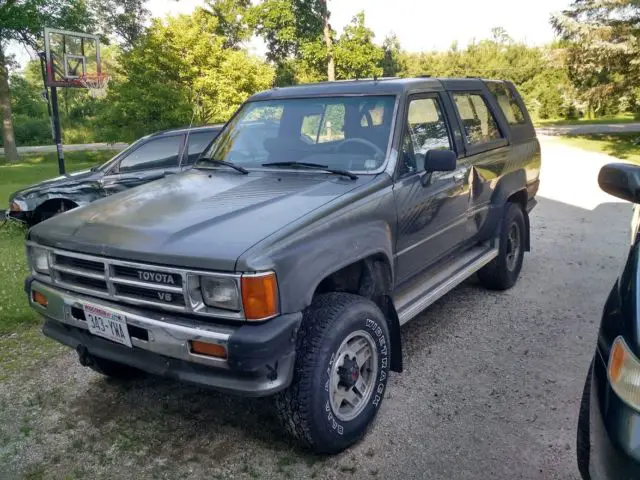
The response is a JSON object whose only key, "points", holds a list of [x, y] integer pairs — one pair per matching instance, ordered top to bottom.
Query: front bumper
{"points": [[260, 356], [614, 431]]}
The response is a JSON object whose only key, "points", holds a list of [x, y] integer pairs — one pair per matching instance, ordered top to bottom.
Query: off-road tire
{"points": [[497, 275], [113, 369], [305, 408], [583, 443]]}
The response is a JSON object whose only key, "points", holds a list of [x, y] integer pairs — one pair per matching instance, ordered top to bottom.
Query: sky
{"points": [[419, 24], [428, 24]]}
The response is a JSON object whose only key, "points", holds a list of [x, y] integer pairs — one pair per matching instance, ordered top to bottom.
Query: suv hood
{"points": [[203, 219]]}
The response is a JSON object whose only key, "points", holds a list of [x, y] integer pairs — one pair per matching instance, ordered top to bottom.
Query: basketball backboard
{"points": [[71, 58]]}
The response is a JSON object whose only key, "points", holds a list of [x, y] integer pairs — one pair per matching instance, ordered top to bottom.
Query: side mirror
{"points": [[440, 161], [621, 180]]}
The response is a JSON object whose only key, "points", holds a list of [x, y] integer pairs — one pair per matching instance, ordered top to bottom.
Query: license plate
{"points": [[107, 324]]}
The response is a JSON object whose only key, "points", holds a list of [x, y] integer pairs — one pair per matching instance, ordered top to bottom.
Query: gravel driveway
{"points": [[491, 385]]}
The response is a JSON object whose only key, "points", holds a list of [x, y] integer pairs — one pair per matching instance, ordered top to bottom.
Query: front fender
{"points": [[304, 254]]}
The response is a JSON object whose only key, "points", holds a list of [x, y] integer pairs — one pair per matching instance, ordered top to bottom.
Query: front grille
{"points": [[79, 263], [118, 280], [134, 283], [166, 298]]}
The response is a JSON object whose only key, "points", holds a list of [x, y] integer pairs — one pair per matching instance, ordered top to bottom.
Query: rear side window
{"points": [[508, 103], [479, 124], [198, 141], [156, 153]]}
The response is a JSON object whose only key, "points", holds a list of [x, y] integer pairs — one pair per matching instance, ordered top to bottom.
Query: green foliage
{"points": [[123, 19], [232, 20], [23, 21], [603, 51], [355, 53], [392, 63], [179, 70], [538, 72], [25, 98], [32, 130]]}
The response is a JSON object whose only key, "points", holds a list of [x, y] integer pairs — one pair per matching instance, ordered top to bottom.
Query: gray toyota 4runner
{"points": [[321, 219]]}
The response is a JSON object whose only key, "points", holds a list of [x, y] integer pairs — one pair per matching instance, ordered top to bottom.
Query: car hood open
{"points": [[201, 219]]}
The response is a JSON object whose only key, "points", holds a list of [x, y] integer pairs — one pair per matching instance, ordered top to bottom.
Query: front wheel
{"points": [[502, 273], [341, 371]]}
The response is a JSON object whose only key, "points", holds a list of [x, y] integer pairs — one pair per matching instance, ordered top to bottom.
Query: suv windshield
{"points": [[350, 133]]}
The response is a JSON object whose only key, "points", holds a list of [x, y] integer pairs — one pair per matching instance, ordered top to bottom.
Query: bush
{"points": [[32, 131]]}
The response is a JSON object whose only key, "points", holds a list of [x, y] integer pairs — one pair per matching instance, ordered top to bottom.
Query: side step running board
{"points": [[418, 295]]}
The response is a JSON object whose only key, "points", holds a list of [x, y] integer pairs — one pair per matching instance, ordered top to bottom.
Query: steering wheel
{"points": [[361, 141]]}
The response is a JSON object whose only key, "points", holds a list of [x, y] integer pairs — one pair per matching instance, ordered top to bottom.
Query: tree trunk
{"points": [[331, 67], [10, 150]]}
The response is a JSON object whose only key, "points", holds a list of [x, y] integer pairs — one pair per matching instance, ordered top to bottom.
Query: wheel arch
{"points": [[511, 188], [53, 205], [370, 277]]}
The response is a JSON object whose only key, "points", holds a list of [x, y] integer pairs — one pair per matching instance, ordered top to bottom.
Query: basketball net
{"points": [[96, 84]]}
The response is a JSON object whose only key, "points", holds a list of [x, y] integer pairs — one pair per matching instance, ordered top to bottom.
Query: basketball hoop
{"points": [[96, 84]]}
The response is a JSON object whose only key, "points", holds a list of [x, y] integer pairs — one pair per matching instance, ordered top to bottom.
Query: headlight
{"points": [[38, 259], [220, 292], [624, 373]]}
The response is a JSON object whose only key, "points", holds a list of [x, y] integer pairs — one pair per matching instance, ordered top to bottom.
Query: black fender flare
{"points": [[511, 187]]}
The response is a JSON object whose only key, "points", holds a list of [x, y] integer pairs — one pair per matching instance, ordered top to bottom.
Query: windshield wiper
{"points": [[215, 161], [316, 166]]}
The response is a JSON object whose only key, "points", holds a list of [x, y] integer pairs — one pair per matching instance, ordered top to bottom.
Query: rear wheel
{"points": [[502, 273], [341, 371]]}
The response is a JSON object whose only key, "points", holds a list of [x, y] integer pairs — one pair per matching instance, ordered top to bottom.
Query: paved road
{"points": [[588, 129], [71, 148], [490, 390]]}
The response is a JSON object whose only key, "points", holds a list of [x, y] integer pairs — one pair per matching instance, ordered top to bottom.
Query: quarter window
{"points": [[508, 103], [479, 124], [426, 130], [196, 144], [156, 153]]}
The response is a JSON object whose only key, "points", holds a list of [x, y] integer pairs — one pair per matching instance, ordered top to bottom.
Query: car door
{"points": [[487, 149], [152, 160], [431, 206]]}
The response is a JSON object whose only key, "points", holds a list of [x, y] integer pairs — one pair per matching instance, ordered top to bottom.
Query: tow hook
{"points": [[84, 357]]}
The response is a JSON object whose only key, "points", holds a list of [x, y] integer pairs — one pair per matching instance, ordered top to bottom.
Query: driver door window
{"points": [[426, 130], [155, 154]]}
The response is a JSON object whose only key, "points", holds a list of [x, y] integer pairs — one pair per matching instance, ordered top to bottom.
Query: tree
{"points": [[123, 19], [232, 20], [23, 21], [298, 36], [604, 47], [355, 53], [392, 61], [179, 69]]}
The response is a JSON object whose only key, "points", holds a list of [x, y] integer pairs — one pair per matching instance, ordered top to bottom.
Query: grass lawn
{"points": [[621, 118], [620, 145], [33, 168], [15, 314]]}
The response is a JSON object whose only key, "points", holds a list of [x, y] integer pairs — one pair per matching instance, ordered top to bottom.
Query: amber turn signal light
{"points": [[14, 207], [259, 296], [39, 298], [208, 349], [616, 362]]}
